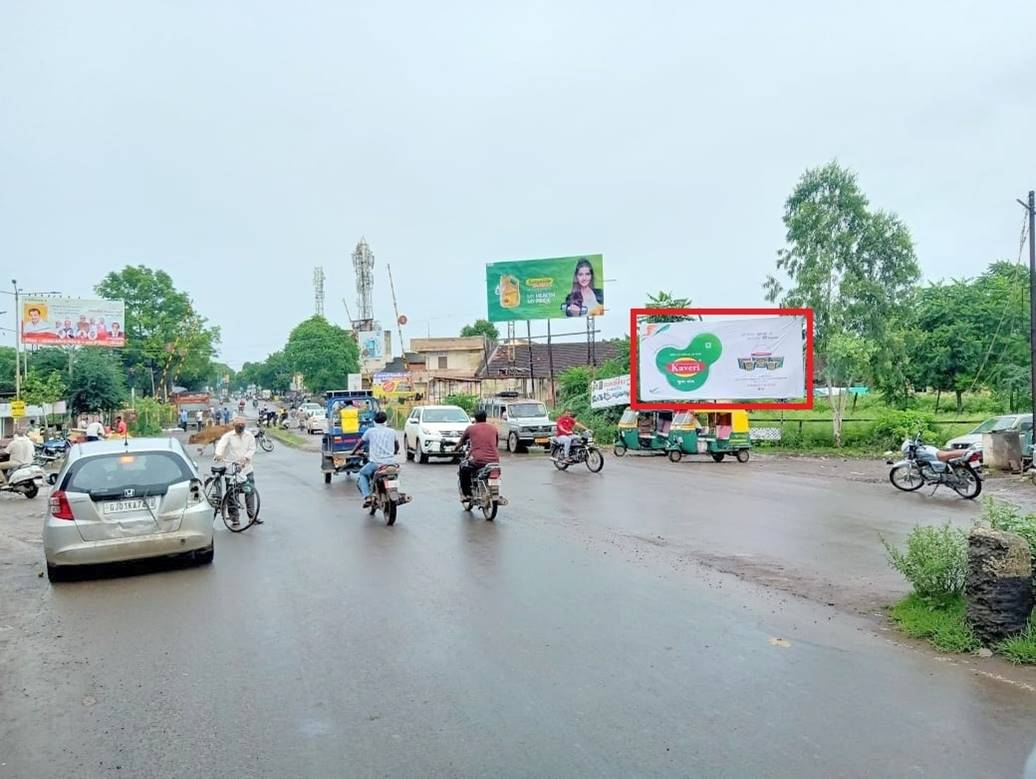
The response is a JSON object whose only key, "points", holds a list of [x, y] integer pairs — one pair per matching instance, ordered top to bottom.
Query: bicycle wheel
{"points": [[266, 444], [212, 492], [244, 521]]}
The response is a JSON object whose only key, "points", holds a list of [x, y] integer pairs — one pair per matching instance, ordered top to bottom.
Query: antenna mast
{"points": [[363, 263], [318, 290]]}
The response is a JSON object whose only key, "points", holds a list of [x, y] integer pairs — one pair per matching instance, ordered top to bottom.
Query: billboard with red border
{"points": [[775, 371]]}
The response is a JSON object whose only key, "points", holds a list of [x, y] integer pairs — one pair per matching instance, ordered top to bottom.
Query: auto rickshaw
{"points": [[643, 431], [716, 433]]}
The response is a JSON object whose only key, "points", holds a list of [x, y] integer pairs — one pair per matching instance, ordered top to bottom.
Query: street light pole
{"points": [[17, 344]]}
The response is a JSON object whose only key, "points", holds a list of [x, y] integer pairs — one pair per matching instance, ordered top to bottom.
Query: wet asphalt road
{"points": [[326, 644]]}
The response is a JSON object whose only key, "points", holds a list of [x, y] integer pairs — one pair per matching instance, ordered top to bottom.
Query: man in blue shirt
{"points": [[382, 448]]}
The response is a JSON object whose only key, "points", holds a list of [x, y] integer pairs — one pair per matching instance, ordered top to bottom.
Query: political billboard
{"points": [[552, 288], [73, 322], [740, 359]]}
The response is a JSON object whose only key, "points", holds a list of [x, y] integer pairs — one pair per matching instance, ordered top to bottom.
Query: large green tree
{"points": [[856, 269], [481, 327], [165, 335], [323, 353], [7, 360], [97, 382], [44, 389]]}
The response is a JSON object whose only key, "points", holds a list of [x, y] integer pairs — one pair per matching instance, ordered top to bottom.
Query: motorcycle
{"points": [[262, 440], [583, 450], [49, 462], [926, 465], [22, 480], [485, 488], [386, 496]]}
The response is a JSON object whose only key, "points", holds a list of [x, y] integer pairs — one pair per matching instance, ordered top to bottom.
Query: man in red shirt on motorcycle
{"points": [[565, 429], [484, 440]]}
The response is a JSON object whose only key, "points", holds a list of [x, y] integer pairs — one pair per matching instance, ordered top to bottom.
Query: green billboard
{"points": [[552, 288]]}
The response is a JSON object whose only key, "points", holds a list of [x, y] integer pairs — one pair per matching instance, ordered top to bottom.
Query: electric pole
{"points": [[1031, 208]]}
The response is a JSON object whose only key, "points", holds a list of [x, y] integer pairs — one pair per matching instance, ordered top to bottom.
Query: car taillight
{"points": [[59, 506]]}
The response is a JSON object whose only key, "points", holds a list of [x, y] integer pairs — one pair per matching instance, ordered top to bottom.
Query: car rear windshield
{"points": [[527, 410], [444, 415], [148, 473]]}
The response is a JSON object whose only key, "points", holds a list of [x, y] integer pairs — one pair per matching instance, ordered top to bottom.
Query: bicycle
{"points": [[263, 440], [226, 487]]}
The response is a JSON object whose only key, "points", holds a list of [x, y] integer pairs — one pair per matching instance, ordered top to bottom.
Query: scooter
{"points": [[22, 480]]}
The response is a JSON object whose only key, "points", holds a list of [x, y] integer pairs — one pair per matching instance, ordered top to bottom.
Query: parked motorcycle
{"points": [[583, 450], [50, 463], [926, 465], [23, 480], [485, 489], [386, 496]]}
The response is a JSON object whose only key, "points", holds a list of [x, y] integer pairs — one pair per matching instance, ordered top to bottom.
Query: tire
{"points": [[266, 444], [513, 445], [406, 448], [619, 449], [675, 455], [421, 456], [718, 456], [742, 456], [594, 460], [558, 463], [912, 474], [327, 477], [52, 479], [972, 486], [31, 490], [211, 494], [224, 509], [489, 512], [390, 513], [204, 556], [57, 573]]}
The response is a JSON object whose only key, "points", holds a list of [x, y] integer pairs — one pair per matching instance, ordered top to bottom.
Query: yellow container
{"points": [[510, 292], [350, 420]]}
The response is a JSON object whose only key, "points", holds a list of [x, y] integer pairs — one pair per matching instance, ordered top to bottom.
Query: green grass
{"points": [[286, 437], [942, 624], [1020, 648]]}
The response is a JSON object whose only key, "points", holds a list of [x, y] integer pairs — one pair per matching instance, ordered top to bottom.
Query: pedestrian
{"points": [[199, 417], [183, 419], [120, 426], [95, 431], [238, 446]]}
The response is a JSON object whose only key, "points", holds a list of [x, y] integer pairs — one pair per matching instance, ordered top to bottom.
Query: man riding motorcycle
{"points": [[564, 431], [484, 439], [383, 448]]}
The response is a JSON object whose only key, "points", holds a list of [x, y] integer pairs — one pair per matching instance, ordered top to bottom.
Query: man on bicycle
{"points": [[484, 439], [238, 446], [383, 446]]}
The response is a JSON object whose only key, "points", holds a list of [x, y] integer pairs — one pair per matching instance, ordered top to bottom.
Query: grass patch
{"points": [[286, 437], [941, 623], [1020, 648]]}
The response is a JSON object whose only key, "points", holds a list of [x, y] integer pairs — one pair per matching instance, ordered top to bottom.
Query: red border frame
{"points": [[637, 405]]}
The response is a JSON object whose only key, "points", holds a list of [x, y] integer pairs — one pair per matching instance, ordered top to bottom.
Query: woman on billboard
{"points": [[584, 299]]}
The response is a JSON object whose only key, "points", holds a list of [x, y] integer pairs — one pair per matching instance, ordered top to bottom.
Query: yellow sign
{"points": [[17, 408]]}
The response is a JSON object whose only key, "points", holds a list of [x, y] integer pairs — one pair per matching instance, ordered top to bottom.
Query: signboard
{"points": [[552, 288], [73, 322], [374, 346], [743, 359], [354, 382], [392, 385], [605, 393], [17, 409]]}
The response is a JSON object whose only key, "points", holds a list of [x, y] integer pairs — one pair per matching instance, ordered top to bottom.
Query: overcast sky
{"points": [[239, 144]]}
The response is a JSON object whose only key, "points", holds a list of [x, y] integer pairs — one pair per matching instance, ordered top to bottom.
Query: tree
{"points": [[855, 268], [666, 300], [481, 327], [164, 334], [323, 353], [8, 355], [50, 359], [97, 382], [44, 390]]}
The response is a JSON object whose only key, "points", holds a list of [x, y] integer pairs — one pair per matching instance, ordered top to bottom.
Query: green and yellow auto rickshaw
{"points": [[643, 431], [715, 433]]}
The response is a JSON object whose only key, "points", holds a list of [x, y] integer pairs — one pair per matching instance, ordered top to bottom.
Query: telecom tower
{"points": [[363, 262], [318, 290]]}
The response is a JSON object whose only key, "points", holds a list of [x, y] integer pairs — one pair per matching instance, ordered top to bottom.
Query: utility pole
{"points": [[1031, 208], [17, 343]]}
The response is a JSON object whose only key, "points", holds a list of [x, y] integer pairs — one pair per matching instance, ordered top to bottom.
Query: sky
{"points": [[239, 145]]}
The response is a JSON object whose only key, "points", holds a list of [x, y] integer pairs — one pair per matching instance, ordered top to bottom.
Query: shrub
{"points": [[466, 402], [151, 416], [893, 427], [1010, 519], [935, 560], [945, 625]]}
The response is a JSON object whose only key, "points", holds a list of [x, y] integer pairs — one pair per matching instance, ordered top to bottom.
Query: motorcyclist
{"points": [[564, 431], [484, 439], [383, 446], [21, 452]]}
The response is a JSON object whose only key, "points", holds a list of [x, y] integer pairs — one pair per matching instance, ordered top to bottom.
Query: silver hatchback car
{"points": [[126, 500]]}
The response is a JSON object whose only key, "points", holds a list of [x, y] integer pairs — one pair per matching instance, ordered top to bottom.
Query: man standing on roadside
{"points": [[238, 446]]}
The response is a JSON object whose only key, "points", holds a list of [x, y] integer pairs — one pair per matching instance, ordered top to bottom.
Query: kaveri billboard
{"points": [[550, 288], [73, 322], [762, 362]]}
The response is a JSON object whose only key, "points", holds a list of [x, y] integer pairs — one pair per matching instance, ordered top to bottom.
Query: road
{"points": [[579, 635]]}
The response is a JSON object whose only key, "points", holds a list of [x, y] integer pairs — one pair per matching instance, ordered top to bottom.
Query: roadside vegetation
{"points": [[286, 437]]}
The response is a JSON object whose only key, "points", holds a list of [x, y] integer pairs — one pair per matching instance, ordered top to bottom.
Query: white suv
{"points": [[434, 431]]}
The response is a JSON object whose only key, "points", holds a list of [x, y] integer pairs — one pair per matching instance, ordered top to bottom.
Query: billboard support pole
{"points": [[17, 343], [550, 366], [532, 376]]}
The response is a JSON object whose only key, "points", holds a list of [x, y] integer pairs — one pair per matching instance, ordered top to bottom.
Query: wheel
{"points": [[512, 443], [266, 444], [406, 448], [619, 449], [675, 455], [742, 455], [421, 456], [718, 456], [594, 460], [561, 465], [327, 477], [906, 477], [52, 479], [968, 485], [31, 490], [212, 494], [389, 511], [489, 511], [245, 520], [204, 556], [57, 573]]}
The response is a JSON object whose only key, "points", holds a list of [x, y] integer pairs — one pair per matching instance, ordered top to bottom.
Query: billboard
{"points": [[552, 288], [73, 322], [375, 348], [722, 360], [392, 385], [605, 393]]}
